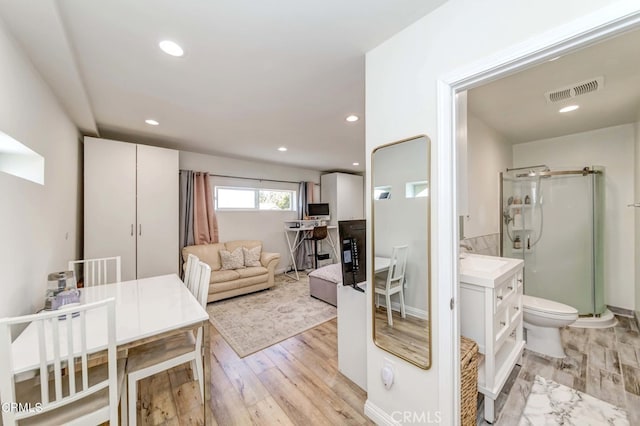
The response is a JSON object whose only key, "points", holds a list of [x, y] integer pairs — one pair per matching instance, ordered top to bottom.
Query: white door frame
{"points": [[607, 22]]}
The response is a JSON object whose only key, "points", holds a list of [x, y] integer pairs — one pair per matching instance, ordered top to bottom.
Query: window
{"points": [[19, 160], [417, 189], [381, 192], [239, 198]]}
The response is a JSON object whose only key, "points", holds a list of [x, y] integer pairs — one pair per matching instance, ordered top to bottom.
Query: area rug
{"points": [[253, 322], [551, 403]]}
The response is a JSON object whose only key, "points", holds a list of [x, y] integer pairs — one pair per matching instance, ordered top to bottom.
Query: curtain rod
{"points": [[258, 179]]}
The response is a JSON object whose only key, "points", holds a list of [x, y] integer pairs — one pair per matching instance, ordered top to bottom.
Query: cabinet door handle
{"points": [[132, 229], [140, 229], [520, 280], [510, 287], [499, 297], [517, 308], [502, 323]]}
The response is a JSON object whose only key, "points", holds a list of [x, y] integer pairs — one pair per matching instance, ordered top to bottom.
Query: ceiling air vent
{"points": [[576, 89]]}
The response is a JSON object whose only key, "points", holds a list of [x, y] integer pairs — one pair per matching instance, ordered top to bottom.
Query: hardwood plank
{"points": [[259, 362], [295, 382], [342, 386], [186, 394], [321, 395], [226, 404], [297, 406], [267, 412]]}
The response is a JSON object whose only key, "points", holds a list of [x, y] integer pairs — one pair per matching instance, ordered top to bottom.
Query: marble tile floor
{"points": [[603, 363]]}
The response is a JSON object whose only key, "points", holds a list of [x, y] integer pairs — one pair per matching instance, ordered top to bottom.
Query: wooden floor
{"points": [[408, 338], [295, 382]]}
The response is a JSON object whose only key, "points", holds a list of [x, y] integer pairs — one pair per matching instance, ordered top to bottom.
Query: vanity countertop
{"points": [[486, 271]]}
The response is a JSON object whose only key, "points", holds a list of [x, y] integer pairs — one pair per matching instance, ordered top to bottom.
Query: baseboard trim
{"points": [[411, 311], [621, 311], [636, 314], [378, 415]]}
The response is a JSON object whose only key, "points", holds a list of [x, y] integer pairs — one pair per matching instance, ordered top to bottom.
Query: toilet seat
{"points": [[548, 308]]}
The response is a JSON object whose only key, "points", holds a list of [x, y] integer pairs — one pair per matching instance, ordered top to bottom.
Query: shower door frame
{"points": [[585, 171]]}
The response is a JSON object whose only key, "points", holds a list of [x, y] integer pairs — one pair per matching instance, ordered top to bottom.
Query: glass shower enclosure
{"points": [[553, 219]]}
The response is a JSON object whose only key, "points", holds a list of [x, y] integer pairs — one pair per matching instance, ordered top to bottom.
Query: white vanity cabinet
{"points": [[491, 315]]}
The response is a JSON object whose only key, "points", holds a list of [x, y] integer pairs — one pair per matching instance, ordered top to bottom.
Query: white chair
{"points": [[106, 270], [190, 271], [394, 282], [161, 355], [90, 396]]}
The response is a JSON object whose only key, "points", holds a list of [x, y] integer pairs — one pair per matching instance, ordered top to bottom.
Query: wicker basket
{"points": [[468, 381]]}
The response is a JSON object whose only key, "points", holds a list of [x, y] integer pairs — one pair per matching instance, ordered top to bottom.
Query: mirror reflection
{"points": [[401, 215]]}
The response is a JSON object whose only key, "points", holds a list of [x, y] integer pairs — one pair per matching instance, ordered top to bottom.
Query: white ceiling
{"points": [[256, 75], [516, 107]]}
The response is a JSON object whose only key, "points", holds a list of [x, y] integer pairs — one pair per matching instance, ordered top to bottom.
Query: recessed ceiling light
{"points": [[171, 48], [554, 59], [569, 108], [352, 118], [151, 122], [282, 149], [356, 164]]}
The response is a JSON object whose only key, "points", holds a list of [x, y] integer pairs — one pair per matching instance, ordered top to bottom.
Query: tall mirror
{"points": [[400, 213]]}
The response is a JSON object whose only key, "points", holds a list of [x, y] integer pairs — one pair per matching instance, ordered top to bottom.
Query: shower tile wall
{"points": [[486, 244]]}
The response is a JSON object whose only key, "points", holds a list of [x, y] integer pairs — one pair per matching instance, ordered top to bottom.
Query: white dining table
{"points": [[146, 309]]}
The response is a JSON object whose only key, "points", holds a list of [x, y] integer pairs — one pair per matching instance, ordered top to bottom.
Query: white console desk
{"points": [[296, 231]]}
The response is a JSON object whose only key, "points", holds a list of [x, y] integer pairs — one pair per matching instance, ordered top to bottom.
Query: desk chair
{"points": [[319, 233], [106, 270], [394, 283], [164, 354], [90, 396]]}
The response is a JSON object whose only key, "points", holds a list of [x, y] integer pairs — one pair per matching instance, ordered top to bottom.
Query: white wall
{"points": [[401, 101], [613, 148], [488, 154], [636, 211], [39, 224], [267, 226]]}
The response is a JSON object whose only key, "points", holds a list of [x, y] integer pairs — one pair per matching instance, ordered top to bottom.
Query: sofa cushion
{"points": [[232, 245], [207, 253], [252, 256], [232, 259], [252, 271], [224, 276]]}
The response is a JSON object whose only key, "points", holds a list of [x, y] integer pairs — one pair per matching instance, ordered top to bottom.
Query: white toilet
{"points": [[542, 321]]}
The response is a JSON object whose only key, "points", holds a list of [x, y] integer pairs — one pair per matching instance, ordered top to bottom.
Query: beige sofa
{"points": [[229, 283]]}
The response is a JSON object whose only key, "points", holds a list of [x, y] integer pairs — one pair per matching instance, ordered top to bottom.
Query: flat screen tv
{"points": [[318, 209], [353, 248]]}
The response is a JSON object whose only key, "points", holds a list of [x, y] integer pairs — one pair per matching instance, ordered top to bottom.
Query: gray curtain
{"points": [[186, 211], [304, 258]]}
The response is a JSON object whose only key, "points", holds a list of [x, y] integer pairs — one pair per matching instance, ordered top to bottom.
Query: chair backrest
{"points": [[319, 232], [397, 266], [105, 270], [190, 270], [200, 285], [62, 343]]}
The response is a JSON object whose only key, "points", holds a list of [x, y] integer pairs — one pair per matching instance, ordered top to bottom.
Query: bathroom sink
{"points": [[482, 264], [486, 271]]}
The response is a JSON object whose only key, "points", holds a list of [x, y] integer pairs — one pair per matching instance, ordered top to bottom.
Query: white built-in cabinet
{"points": [[345, 194], [131, 206]]}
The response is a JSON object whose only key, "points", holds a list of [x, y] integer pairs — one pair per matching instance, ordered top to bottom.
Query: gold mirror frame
{"points": [[413, 360]]}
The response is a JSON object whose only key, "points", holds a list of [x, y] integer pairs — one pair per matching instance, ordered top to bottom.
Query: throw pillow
{"points": [[252, 256], [232, 259]]}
